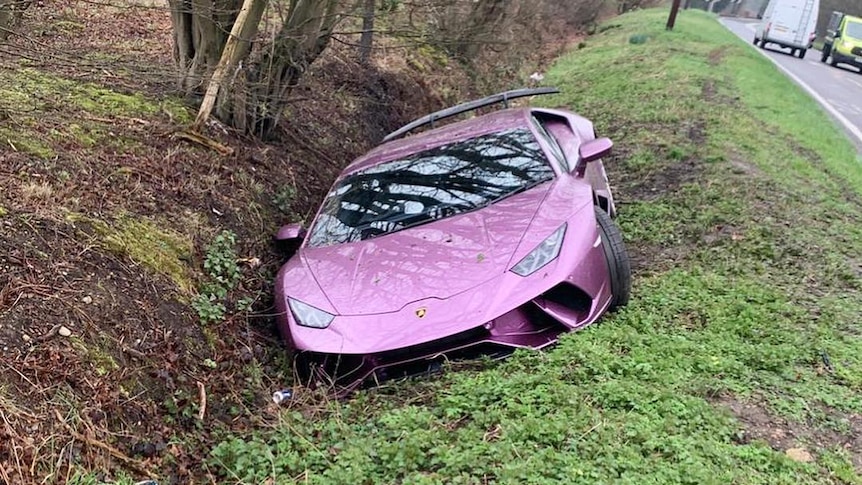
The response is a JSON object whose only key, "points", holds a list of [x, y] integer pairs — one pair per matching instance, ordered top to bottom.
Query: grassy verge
{"points": [[738, 359]]}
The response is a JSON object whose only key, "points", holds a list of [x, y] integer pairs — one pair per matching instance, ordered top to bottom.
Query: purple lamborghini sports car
{"points": [[479, 236]]}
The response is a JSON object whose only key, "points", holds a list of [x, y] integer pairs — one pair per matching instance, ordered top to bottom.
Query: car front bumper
{"points": [[845, 58], [535, 325]]}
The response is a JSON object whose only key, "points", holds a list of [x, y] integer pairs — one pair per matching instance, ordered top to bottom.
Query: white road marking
{"points": [[855, 82], [853, 129]]}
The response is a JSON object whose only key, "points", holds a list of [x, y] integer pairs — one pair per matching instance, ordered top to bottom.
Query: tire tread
{"points": [[619, 264]]}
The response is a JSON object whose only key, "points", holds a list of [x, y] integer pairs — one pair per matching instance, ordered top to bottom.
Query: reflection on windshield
{"points": [[854, 30], [430, 185]]}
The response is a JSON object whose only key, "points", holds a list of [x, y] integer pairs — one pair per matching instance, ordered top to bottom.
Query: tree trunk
{"points": [[201, 29], [366, 41], [230, 56], [252, 95], [254, 102]]}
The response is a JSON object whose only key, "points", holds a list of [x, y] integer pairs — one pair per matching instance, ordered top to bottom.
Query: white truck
{"points": [[790, 24]]}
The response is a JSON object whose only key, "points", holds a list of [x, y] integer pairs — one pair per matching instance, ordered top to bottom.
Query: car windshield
{"points": [[854, 30], [430, 185]]}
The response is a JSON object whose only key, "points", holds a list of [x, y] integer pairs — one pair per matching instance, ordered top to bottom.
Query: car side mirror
{"points": [[595, 149], [290, 232], [289, 238]]}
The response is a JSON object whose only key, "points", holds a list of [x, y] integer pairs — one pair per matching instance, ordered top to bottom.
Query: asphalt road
{"points": [[839, 89]]}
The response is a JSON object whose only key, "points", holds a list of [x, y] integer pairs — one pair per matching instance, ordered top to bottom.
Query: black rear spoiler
{"points": [[468, 106]]}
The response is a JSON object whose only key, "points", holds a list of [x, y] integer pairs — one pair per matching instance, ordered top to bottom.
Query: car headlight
{"points": [[847, 45], [544, 253], [309, 316]]}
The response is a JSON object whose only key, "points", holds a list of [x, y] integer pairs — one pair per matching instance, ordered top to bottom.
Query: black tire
{"points": [[756, 40], [763, 43], [794, 52], [802, 53], [833, 62], [619, 266]]}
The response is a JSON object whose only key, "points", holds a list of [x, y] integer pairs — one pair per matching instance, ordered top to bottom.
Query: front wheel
{"points": [[802, 53], [824, 54], [619, 266]]}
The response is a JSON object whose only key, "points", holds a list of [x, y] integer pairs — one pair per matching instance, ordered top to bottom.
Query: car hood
{"points": [[434, 260]]}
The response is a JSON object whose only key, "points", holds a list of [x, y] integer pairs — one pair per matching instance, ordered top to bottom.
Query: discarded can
{"points": [[280, 396]]}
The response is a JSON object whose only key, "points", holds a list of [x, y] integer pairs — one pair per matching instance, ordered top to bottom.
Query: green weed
{"points": [[223, 273]]}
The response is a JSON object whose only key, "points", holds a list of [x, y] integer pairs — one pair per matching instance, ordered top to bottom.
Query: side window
{"points": [[556, 151]]}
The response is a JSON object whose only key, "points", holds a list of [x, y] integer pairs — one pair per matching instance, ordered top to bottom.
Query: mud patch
{"points": [[716, 56], [710, 93], [697, 132], [804, 151], [663, 180], [646, 185], [721, 233], [649, 259], [782, 434]]}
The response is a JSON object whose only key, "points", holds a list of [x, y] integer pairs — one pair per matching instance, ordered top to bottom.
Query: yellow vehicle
{"points": [[843, 41]]}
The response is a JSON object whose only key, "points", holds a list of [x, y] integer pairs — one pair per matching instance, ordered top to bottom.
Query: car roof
{"points": [[453, 132]]}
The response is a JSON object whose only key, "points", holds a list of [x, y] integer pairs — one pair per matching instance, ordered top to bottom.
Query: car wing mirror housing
{"points": [[595, 149], [290, 232], [289, 238]]}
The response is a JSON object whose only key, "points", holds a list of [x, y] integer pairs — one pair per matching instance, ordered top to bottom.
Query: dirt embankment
{"points": [[105, 221]]}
